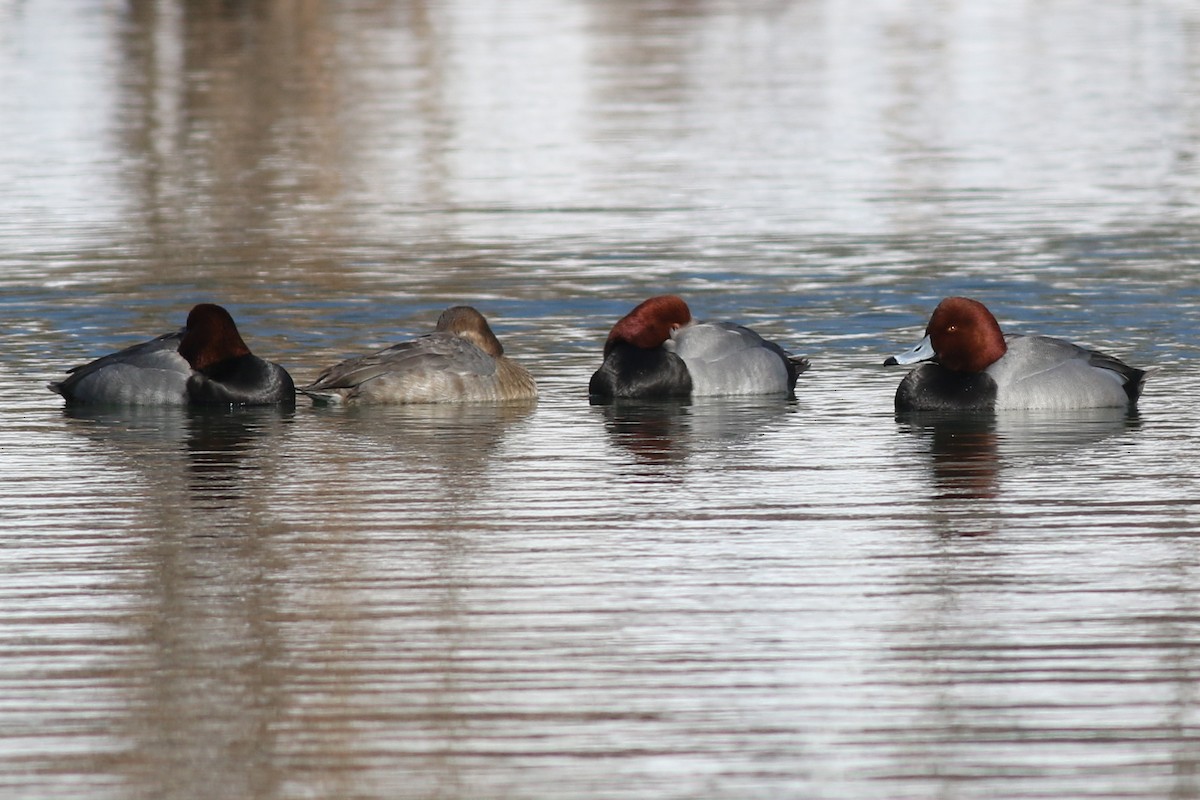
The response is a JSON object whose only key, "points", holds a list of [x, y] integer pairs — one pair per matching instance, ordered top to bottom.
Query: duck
{"points": [[657, 351], [461, 361], [206, 362], [974, 366]]}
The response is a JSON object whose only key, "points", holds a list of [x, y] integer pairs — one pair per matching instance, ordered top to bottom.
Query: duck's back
{"points": [[727, 359], [438, 368], [1044, 372], [150, 373]]}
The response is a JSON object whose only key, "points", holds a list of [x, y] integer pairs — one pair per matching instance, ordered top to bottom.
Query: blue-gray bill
{"points": [[922, 352]]}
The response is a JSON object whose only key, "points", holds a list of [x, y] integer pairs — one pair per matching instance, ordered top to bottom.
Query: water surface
{"points": [[729, 598]]}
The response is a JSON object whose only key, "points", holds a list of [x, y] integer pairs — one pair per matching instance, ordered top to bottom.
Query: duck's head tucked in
{"points": [[467, 323], [650, 324], [210, 337], [635, 363], [978, 367], [226, 372]]}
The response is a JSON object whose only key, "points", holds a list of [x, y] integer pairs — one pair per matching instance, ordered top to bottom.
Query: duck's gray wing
{"points": [[159, 353], [1035, 356], [1133, 378]]}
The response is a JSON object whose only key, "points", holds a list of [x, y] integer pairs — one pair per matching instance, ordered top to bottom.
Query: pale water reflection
{"points": [[726, 599]]}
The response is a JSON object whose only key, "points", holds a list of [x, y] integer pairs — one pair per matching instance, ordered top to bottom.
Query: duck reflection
{"points": [[649, 430], [664, 434], [215, 441], [451, 443], [220, 445], [963, 452], [968, 453], [392, 454]]}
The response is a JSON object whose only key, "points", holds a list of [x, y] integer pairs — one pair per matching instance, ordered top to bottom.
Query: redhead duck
{"points": [[658, 351], [462, 361], [204, 363], [976, 367]]}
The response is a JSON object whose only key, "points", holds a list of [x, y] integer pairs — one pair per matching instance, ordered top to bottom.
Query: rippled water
{"points": [[729, 599]]}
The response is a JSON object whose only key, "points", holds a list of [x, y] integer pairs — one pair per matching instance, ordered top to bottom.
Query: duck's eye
{"points": [[951, 329]]}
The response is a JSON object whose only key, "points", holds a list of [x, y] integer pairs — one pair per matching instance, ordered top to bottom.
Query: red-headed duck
{"points": [[658, 351], [462, 361], [204, 363], [977, 368]]}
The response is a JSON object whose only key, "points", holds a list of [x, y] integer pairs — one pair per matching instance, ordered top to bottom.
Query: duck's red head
{"points": [[651, 323], [965, 336], [211, 337]]}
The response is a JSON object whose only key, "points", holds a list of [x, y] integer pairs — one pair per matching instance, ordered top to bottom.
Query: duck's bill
{"points": [[676, 329], [672, 341], [922, 352]]}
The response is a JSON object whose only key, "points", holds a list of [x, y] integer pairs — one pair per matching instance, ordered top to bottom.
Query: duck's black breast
{"points": [[632, 372], [932, 387]]}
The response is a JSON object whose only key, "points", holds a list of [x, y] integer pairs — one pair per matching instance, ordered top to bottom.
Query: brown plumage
{"points": [[462, 361]]}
